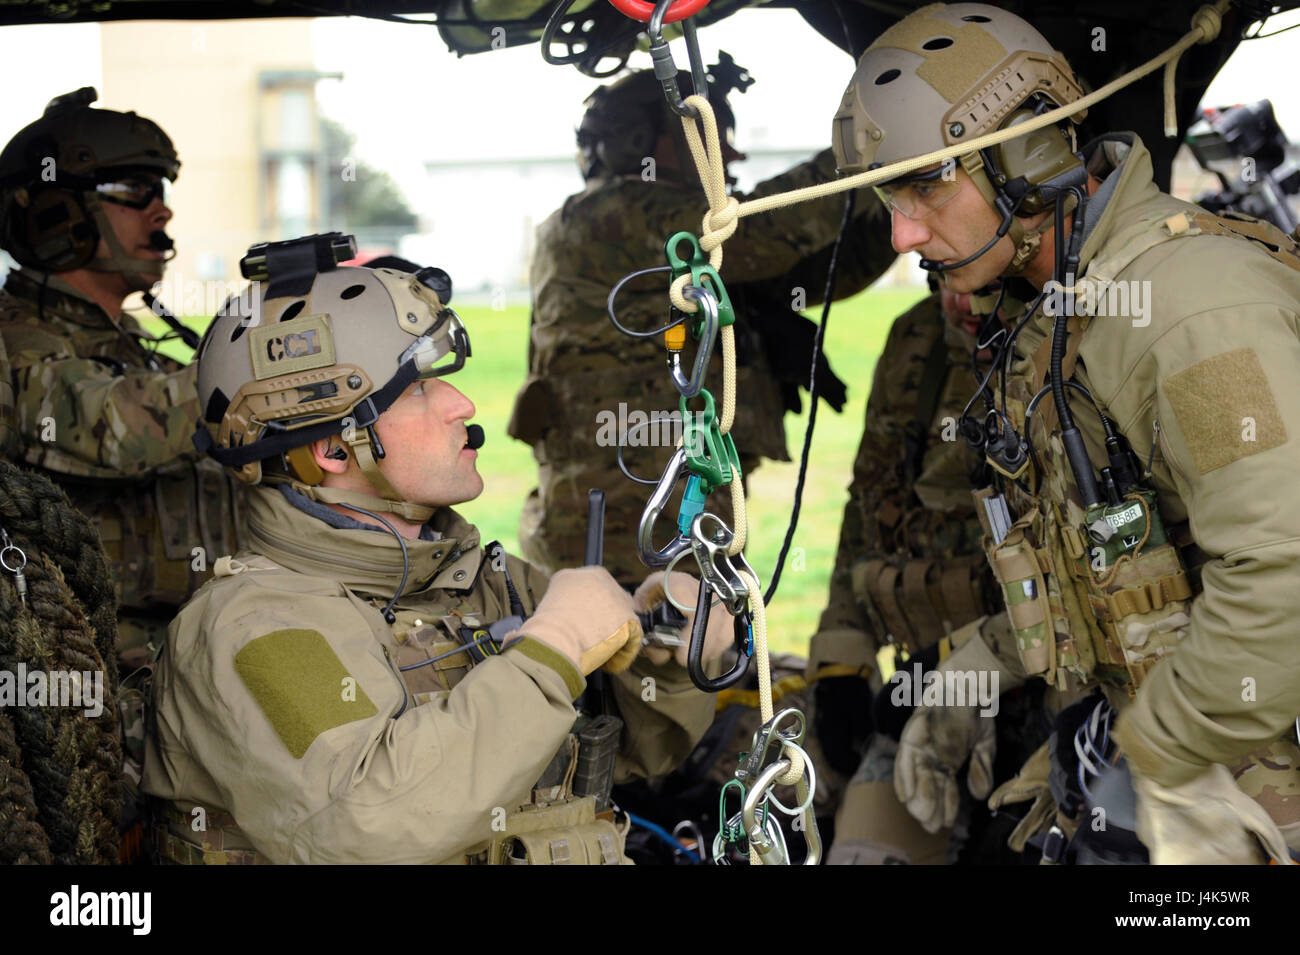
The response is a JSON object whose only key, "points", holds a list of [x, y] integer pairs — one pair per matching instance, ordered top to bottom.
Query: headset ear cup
{"points": [[625, 144], [640, 144], [1036, 158], [54, 232]]}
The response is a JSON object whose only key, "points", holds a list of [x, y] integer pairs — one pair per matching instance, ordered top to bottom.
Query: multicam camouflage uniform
{"points": [[581, 366], [115, 434], [909, 568]]}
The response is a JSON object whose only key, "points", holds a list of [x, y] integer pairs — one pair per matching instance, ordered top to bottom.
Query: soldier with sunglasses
{"points": [[84, 397]]}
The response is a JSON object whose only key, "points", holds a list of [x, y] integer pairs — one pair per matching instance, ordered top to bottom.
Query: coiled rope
{"points": [[60, 770]]}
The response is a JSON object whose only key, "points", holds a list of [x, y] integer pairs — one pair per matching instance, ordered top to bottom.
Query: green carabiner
{"points": [[701, 272], [710, 454], [730, 833], [735, 834]]}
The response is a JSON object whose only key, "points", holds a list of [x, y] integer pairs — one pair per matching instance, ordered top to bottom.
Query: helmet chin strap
{"points": [[1028, 241], [118, 260], [53, 280], [364, 444], [390, 501]]}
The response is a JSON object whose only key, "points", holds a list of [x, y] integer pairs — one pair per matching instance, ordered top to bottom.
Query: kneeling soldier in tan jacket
{"points": [[366, 683]]}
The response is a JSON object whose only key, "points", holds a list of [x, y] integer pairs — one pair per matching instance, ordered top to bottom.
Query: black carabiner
{"points": [[695, 653]]}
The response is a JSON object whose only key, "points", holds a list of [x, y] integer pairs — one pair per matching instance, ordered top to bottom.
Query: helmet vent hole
{"points": [[977, 18], [938, 43], [888, 77], [352, 291], [293, 310], [240, 327]]}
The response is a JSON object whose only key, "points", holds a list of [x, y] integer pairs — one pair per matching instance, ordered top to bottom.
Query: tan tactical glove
{"points": [[589, 618], [718, 635], [937, 740], [1032, 782], [1208, 821]]}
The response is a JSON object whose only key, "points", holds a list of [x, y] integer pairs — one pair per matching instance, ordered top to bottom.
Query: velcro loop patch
{"points": [[954, 70], [299, 344], [1225, 409], [301, 686]]}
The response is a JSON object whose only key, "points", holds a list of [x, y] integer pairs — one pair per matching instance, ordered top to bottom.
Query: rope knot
{"points": [[1207, 21], [720, 224], [795, 772]]}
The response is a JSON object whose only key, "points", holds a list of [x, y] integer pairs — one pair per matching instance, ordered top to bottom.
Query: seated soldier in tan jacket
{"points": [[365, 683]]}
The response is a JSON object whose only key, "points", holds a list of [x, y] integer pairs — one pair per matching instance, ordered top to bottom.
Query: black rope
{"points": [[812, 399]]}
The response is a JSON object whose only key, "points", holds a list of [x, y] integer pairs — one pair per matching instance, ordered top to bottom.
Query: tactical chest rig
{"points": [[925, 576], [1100, 594], [568, 819]]}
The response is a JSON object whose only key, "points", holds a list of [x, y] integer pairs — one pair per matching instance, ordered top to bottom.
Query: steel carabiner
{"points": [[664, 68], [708, 302], [645, 548], [716, 565], [744, 644], [767, 736], [758, 781], [773, 851]]}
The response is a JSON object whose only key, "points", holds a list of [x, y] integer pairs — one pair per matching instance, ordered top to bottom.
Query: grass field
{"points": [[857, 332]]}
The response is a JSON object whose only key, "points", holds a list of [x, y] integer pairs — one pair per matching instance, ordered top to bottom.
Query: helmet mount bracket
{"points": [[291, 266]]}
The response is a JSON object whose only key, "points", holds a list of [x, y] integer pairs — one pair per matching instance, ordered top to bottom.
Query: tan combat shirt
{"points": [[1214, 360], [279, 700]]}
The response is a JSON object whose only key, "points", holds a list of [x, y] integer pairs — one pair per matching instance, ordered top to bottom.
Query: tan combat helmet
{"points": [[948, 73], [56, 172], [311, 350]]}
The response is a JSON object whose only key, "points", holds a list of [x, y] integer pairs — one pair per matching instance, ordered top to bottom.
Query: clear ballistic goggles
{"points": [[136, 191], [921, 194], [447, 337]]}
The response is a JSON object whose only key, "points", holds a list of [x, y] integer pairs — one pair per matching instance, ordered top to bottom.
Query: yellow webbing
{"points": [[783, 687]]}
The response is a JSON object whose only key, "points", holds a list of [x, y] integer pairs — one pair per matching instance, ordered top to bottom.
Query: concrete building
{"points": [[239, 101]]}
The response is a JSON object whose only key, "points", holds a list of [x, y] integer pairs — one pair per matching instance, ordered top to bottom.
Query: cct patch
{"points": [[299, 344], [1225, 409], [299, 683]]}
